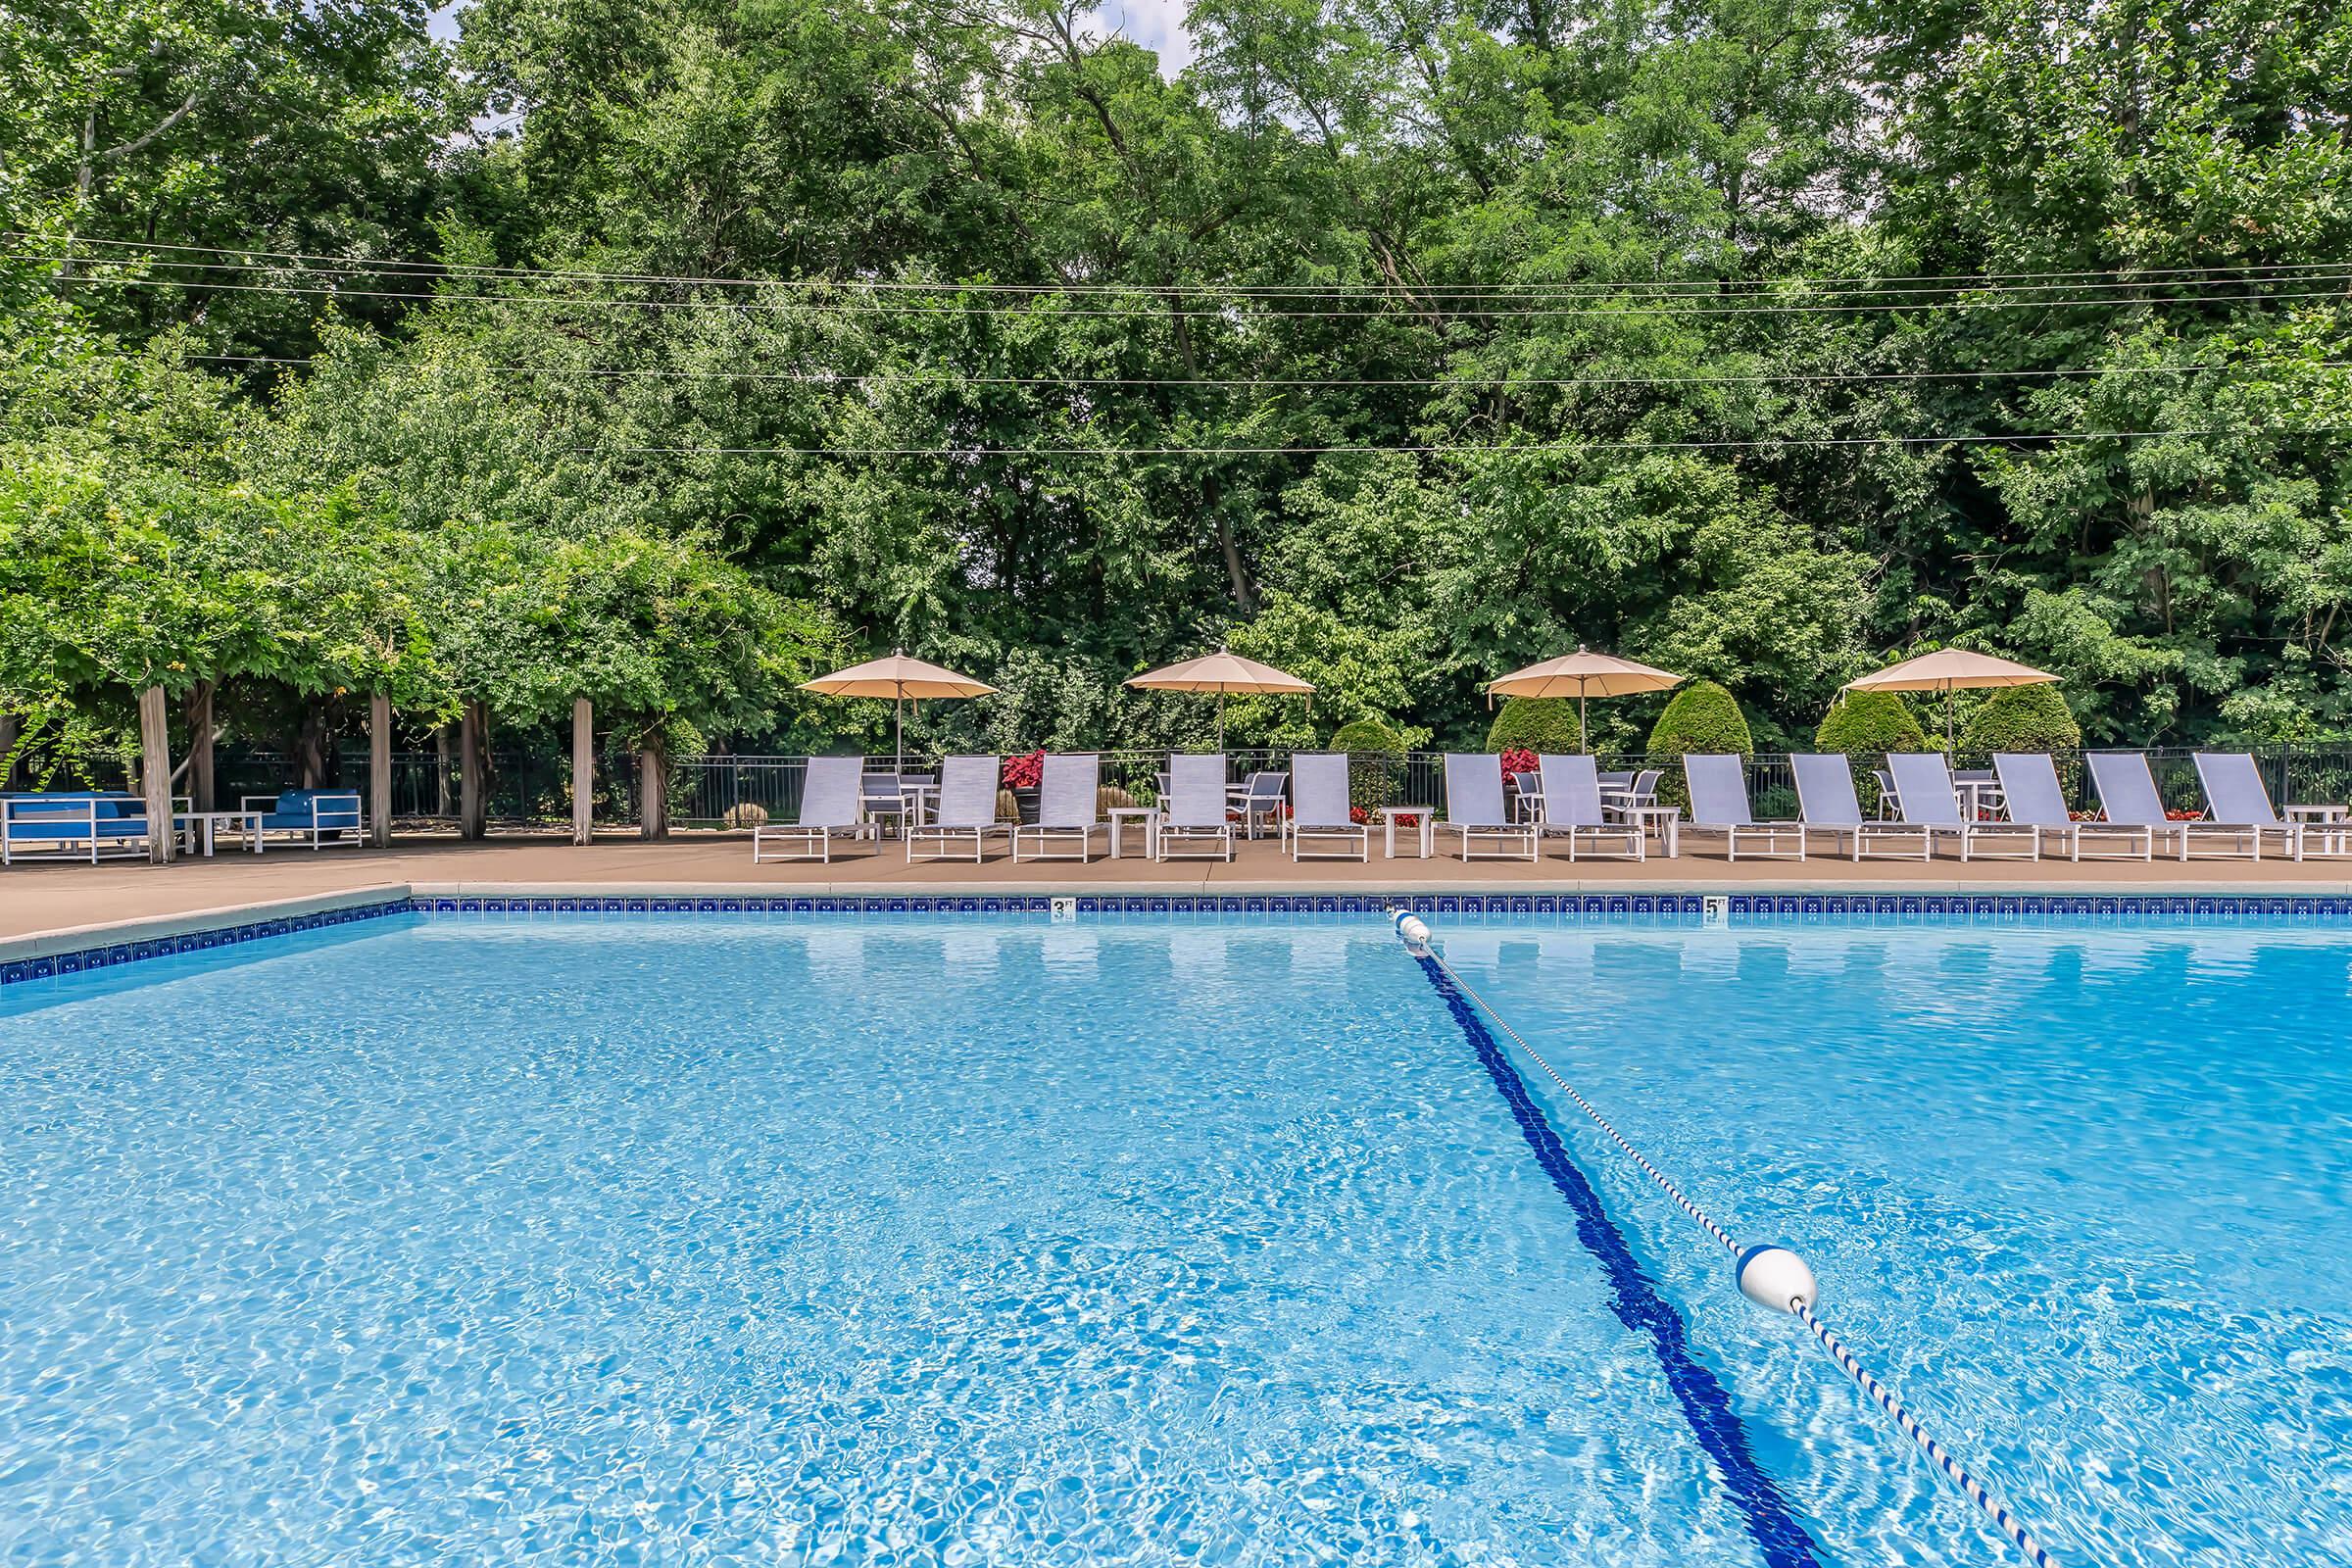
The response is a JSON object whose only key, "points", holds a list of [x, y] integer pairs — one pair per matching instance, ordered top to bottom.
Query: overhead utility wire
{"points": [[2124, 277], [1696, 292], [831, 307], [950, 381], [1433, 448]]}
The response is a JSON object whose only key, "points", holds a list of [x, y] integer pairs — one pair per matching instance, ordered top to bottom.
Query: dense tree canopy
{"points": [[1761, 341]]}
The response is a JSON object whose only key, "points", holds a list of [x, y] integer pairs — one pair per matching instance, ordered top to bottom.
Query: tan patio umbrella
{"points": [[1947, 670], [1222, 672], [1580, 675], [901, 679]]}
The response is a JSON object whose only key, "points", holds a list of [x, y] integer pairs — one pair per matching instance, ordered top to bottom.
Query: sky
{"points": [[1157, 25]]}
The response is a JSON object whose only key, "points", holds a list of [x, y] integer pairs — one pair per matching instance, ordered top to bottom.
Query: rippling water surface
{"points": [[701, 1241]]}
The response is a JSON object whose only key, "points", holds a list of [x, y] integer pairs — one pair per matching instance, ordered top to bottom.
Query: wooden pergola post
{"points": [[474, 739], [380, 769], [583, 771], [155, 773], [652, 792]]}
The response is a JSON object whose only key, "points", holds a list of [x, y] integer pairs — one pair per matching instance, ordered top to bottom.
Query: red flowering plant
{"points": [[1519, 759], [1025, 772], [1359, 813]]}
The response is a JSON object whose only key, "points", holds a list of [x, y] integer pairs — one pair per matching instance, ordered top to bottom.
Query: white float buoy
{"points": [[1412, 931], [1777, 1278]]}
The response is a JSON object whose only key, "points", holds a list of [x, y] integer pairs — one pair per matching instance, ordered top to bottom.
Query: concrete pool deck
{"points": [[55, 906]]}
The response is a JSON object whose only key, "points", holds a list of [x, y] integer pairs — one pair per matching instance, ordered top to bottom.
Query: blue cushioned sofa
{"points": [[322, 817], [73, 825]]}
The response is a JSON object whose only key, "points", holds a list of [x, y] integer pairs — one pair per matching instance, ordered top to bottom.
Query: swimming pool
{"points": [[983, 1240]]}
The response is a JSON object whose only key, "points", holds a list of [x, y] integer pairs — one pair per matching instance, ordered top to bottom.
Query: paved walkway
{"points": [[52, 897]]}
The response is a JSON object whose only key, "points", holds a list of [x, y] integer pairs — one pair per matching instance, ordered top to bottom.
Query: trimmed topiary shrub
{"points": [[1702, 717], [2021, 719], [1537, 724], [1866, 726], [1373, 750]]}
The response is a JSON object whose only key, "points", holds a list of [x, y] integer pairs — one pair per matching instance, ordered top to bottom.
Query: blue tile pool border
{"points": [[1804, 908]]}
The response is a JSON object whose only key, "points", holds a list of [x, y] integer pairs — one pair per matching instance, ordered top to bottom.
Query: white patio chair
{"points": [[1923, 781], [1718, 784], [2235, 797], [1827, 801], [1474, 809], [1572, 809], [1320, 810], [1069, 811], [828, 812], [966, 817], [1193, 819]]}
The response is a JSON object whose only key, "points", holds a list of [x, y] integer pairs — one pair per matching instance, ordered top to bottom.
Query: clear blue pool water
{"points": [[808, 1241]]}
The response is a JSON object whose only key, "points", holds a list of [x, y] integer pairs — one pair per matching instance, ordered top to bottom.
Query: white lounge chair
{"points": [[1924, 782], [1718, 783], [2029, 784], [2128, 794], [1570, 795], [2235, 797], [1827, 802], [1474, 807], [1319, 809], [828, 810], [1068, 810], [966, 817], [1193, 818]]}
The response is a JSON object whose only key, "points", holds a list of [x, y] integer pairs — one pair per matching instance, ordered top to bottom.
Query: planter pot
{"points": [[1027, 800]]}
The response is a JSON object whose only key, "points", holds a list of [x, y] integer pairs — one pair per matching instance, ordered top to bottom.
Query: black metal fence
{"points": [[528, 788]]}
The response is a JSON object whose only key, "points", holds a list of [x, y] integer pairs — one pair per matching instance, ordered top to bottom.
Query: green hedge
{"points": [[1703, 718], [1539, 724], [1866, 726], [1374, 770]]}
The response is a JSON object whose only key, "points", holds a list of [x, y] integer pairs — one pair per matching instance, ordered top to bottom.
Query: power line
{"points": [[2123, 276], [1680, 292], [874, 309], [948, 381], [1441, 448]]}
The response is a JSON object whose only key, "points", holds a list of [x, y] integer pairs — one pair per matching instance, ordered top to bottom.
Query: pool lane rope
{"points": [[1771, 1276]]}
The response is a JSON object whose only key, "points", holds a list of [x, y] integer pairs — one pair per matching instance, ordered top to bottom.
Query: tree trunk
{"points": [[199, 716], [474, 739], [311, 744], [380, 771], [583, 771], [155, 772], [653, 789], [443, 806]]}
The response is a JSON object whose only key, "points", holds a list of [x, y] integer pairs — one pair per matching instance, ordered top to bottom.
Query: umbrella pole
{"points": [[1220, 718], [1947, 725], [1581, 744], [899, 758]]}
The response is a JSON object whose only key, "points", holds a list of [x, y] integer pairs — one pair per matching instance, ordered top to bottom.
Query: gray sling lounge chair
{"points": [[1924, 781], [2029, 784], [2128, 794], [2235, 797], [1829, 803], [1719, 805], [1572, 808], [1319, 809], [1474, 809], [828, 810], [1069, 811], [966, 818], [1192, 819]]}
